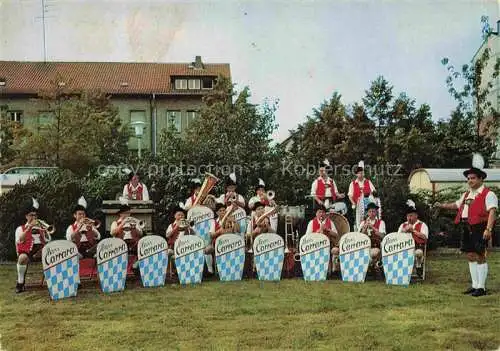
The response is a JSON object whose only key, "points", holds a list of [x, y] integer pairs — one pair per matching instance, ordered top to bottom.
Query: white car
{"points": [[20, 175]]}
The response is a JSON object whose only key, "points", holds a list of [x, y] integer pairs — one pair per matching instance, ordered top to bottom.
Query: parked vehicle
{"points": [[20, 175]]}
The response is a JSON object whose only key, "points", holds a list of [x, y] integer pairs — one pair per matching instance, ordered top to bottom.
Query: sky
{"points": [[299, 52]]}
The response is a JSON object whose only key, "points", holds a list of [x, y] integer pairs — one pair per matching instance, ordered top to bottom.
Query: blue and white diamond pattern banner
{"points": [[240, 216], [203, 218], [314, 251], [269, 253], [398, 254], [230, 256], [354, 256], [189, 259], [112, 260], [153, 260], [60, 268]]}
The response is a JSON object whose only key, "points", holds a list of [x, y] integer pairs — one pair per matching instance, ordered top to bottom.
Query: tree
{"points": [[83, 129], [12, 136]]}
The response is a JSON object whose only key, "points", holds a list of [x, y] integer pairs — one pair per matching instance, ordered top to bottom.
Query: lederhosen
{"points": [[474, 226], [29, 247], [84, 247]]}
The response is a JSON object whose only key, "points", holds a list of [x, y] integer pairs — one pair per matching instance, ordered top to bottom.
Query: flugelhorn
{"points": [[209, 182], [270, 195], [132, 221], [91, 222], [46, 229]]}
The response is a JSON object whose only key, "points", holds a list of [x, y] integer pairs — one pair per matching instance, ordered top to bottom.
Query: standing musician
{"points": [[195, 188], [134, 189], [323, 189], [360, 193], [231, 197], [262, 197], [476, 215], [324, 225], [127, 228], [375, 228], [418, 230], [82, 232], [30, 239]]}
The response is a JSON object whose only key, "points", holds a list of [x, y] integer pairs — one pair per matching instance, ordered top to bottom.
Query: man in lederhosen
{"points": [[195, 188], [135, 189], [324, 190], [360, 193], [231, 196], [261, 197], [476, 215], [375, 228], [85, 236]]}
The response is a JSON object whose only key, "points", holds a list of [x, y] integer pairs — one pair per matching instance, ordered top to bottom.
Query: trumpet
{"points": [[90, 222], [134, 222], [184, 224], [45, 229]]}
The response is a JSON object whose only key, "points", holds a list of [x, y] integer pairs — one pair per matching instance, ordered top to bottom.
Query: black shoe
{"points": [[420, 272], [19, 288], [469, 291], [479, 292]]}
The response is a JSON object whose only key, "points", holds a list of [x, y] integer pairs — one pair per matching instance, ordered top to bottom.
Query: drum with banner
{"points": [[240, 216], [202, 219], [269, 252], [398, 254], [230, 256], [314, 256], [354, 256], [189, 259], [112, 260], [153, 260], [60, 268]]}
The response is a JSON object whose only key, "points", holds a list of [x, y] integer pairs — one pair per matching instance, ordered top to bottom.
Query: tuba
{"points": [[209, 182]]}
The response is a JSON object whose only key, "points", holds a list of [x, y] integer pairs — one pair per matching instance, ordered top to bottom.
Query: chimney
{"points": [[197, 63]]}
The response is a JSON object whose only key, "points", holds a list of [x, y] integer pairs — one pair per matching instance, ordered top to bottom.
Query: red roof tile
{"points": [[142, 78]]}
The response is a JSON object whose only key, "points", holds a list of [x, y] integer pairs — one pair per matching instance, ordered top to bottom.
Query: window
{"points": [[207, 83], [181, 84], [194, 84], [16, 116], [136, 116], [190, 117], [174, 119]]}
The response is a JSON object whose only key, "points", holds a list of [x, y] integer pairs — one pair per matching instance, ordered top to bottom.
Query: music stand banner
{"points": [[203, 221], [314, 252], [269, 253], [230, 256], [354, 256], [398, 256], [189, 259], [112, 260], [153, 260], [60, 268]]}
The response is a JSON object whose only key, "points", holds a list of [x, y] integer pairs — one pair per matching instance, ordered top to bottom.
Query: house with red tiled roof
{"points": [[158, 94]]}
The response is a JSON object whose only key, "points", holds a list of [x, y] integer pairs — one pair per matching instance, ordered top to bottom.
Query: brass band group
{"points": [[476, 213]]}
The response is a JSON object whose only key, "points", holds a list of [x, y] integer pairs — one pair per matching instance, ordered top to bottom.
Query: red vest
{"points": [[321, 188], [137, 192], [356, 194], [263, 201], [477, 209], [316, 224], [376, 225], [90, 236], [418, 240], [27, 245]]}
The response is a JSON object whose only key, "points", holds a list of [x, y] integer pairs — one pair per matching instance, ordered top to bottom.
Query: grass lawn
{"points": [[292, 314]]}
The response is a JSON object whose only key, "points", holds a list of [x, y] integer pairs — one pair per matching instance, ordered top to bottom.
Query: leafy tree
{"points": [[83, 130]]}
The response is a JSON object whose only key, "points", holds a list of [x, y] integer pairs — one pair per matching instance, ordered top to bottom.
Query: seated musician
{"points": [[195, 188], [134, 189], [323, 189], [231, 196], [262, 197], [259, 223], [223, 224], [324, 225], [127, 228], [178, 228], [375, 229], [418, 230], [83, 232], [29, 239]]}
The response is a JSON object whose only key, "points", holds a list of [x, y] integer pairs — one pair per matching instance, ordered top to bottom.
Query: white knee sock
{"points": [[334, 262], [210, 263], [21, 271], [482, 273], [474, 274]]}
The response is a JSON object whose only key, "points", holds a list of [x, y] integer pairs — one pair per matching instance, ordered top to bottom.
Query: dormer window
{"points": [[181, 84]]}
